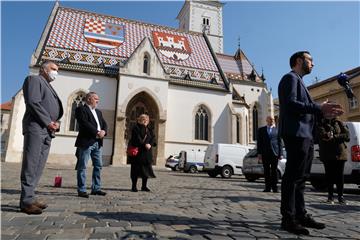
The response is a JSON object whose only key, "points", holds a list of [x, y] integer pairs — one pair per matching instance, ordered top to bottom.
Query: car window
{"points": [[252, 153]]}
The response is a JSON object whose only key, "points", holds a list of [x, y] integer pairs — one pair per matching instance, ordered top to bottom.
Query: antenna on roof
{"points": [[239, 42]]}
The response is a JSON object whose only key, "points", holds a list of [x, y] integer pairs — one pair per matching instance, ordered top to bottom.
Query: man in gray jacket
{"points": [[40, 122]]}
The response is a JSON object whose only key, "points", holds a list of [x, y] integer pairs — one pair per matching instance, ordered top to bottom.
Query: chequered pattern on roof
{"points": [[68, 29], [230, 65]]}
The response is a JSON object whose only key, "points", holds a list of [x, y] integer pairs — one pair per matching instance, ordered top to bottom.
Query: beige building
{"points": [[330, 89]]}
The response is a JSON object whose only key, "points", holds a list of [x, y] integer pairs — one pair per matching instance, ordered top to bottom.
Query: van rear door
{"points": [[210, 157]]}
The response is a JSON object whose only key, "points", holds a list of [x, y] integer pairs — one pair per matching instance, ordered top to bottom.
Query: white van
{"points": [[225, 159], [191, 160], [352, 165]]}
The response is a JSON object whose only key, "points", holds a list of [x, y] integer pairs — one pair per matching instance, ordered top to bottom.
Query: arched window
{"points": [[146, 65], [78, 99], [255, 122], [201, 124], [237, 129]]}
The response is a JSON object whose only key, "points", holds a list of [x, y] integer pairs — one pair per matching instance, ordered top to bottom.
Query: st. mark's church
{"points": [[194, 93]]}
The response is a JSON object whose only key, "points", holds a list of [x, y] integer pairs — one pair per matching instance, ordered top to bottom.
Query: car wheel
{"points": [[176, 168], [192, 169], [226, 172], [212, 173], [251, 178], [319, 184]]}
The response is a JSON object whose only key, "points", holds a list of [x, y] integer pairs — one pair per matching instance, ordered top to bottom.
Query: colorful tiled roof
{"points": [[75, 33], [236, 67], [6, 106]]}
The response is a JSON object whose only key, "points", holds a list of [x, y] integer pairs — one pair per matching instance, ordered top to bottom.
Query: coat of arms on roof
{"points": [[104, 35], [172, 46]]}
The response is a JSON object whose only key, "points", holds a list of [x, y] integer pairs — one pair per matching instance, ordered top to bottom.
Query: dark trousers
{"points": [[300, 152], [35, 153], [270, 163], [334, 170], [134, 182]]}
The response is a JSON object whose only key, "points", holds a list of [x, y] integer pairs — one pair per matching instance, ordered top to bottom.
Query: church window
{"points": [[206, 25], [146, 64], [77, 100], [353, 103], [255, 123], [202, 124], [237, 129]]}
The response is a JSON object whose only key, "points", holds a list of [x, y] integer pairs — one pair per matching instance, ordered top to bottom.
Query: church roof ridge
{"points": [[132, 20]]}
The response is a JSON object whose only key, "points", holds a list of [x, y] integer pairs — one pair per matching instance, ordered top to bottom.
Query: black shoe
{"points": [[134, 189], [145, 189], [267, 190], [275, 190], [99, 192], [83, 194], [342, 200], [309, 221], [294, 227]]}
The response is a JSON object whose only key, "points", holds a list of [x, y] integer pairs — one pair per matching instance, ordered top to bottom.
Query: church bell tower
{"points": [[203, 16]]}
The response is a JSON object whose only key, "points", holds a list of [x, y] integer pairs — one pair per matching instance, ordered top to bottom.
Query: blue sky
{"points": [[269, 33]]}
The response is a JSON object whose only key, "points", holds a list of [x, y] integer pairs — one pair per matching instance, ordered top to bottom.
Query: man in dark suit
{"points": [[40, 122], [296, 125], [89, 142], [269, 150]]}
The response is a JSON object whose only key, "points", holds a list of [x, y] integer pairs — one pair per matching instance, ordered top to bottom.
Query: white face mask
{"points": [[52, 75]]}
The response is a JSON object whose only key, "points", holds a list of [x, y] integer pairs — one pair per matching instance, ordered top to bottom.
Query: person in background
{"points": [[40, 122], [296, 126], [333, 134], [89, 142], [269, 150], [141, 164]]}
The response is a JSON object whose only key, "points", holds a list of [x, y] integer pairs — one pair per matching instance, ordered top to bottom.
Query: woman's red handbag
{"points": [[132, 151]]}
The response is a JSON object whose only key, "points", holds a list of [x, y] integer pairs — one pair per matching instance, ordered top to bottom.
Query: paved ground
{"points": [[180, 206]]}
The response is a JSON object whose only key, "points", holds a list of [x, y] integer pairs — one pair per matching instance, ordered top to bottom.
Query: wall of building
{"points": [[332, 91]]}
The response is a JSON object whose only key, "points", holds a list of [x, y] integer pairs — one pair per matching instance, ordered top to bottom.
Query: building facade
{"points": [[330, 89], [194, 94]]}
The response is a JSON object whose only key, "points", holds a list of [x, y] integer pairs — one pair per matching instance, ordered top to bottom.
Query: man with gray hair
{"points": [[40, 122], [89, 142]]}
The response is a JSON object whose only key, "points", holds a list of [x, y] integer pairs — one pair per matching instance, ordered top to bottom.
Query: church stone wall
{"points": [[180, 124]]}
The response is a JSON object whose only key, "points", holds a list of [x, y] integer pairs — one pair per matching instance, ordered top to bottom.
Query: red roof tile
{"points": [[6, 106]]}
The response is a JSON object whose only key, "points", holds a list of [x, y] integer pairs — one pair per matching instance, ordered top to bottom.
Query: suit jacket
{"points": [[43, 105], [297, 109], [88, 127], [269, 145]]}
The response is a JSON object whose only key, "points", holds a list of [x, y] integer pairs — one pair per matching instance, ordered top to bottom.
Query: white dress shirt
{"points": [[95, 116]]}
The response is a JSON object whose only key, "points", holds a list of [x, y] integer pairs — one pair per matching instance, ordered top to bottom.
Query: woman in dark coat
{"points": [[332, 137], [141, 164]]}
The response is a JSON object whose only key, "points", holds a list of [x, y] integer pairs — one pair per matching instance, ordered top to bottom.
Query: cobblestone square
{"points": [[180, 206]]}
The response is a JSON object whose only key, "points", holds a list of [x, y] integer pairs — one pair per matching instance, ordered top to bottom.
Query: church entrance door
{"points": [[139, 104]]}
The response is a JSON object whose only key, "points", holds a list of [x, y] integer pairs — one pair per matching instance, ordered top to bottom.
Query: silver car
{"points": [[172, 162], [253, 168]]}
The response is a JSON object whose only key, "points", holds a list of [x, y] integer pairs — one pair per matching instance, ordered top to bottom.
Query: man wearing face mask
{"points": [[40, 122]]}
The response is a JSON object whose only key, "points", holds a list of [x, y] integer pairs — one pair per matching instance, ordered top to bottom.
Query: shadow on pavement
{"points": [[336, 207], [9, 208], [196, 226]]}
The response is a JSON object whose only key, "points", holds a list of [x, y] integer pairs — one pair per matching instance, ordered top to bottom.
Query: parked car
{"points": [[225, 159], [191, 161], [172, 162], [352, 165], [253, 168]]}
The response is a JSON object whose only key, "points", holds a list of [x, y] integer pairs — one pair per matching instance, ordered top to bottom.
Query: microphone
{"points": [[343, 80]]}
